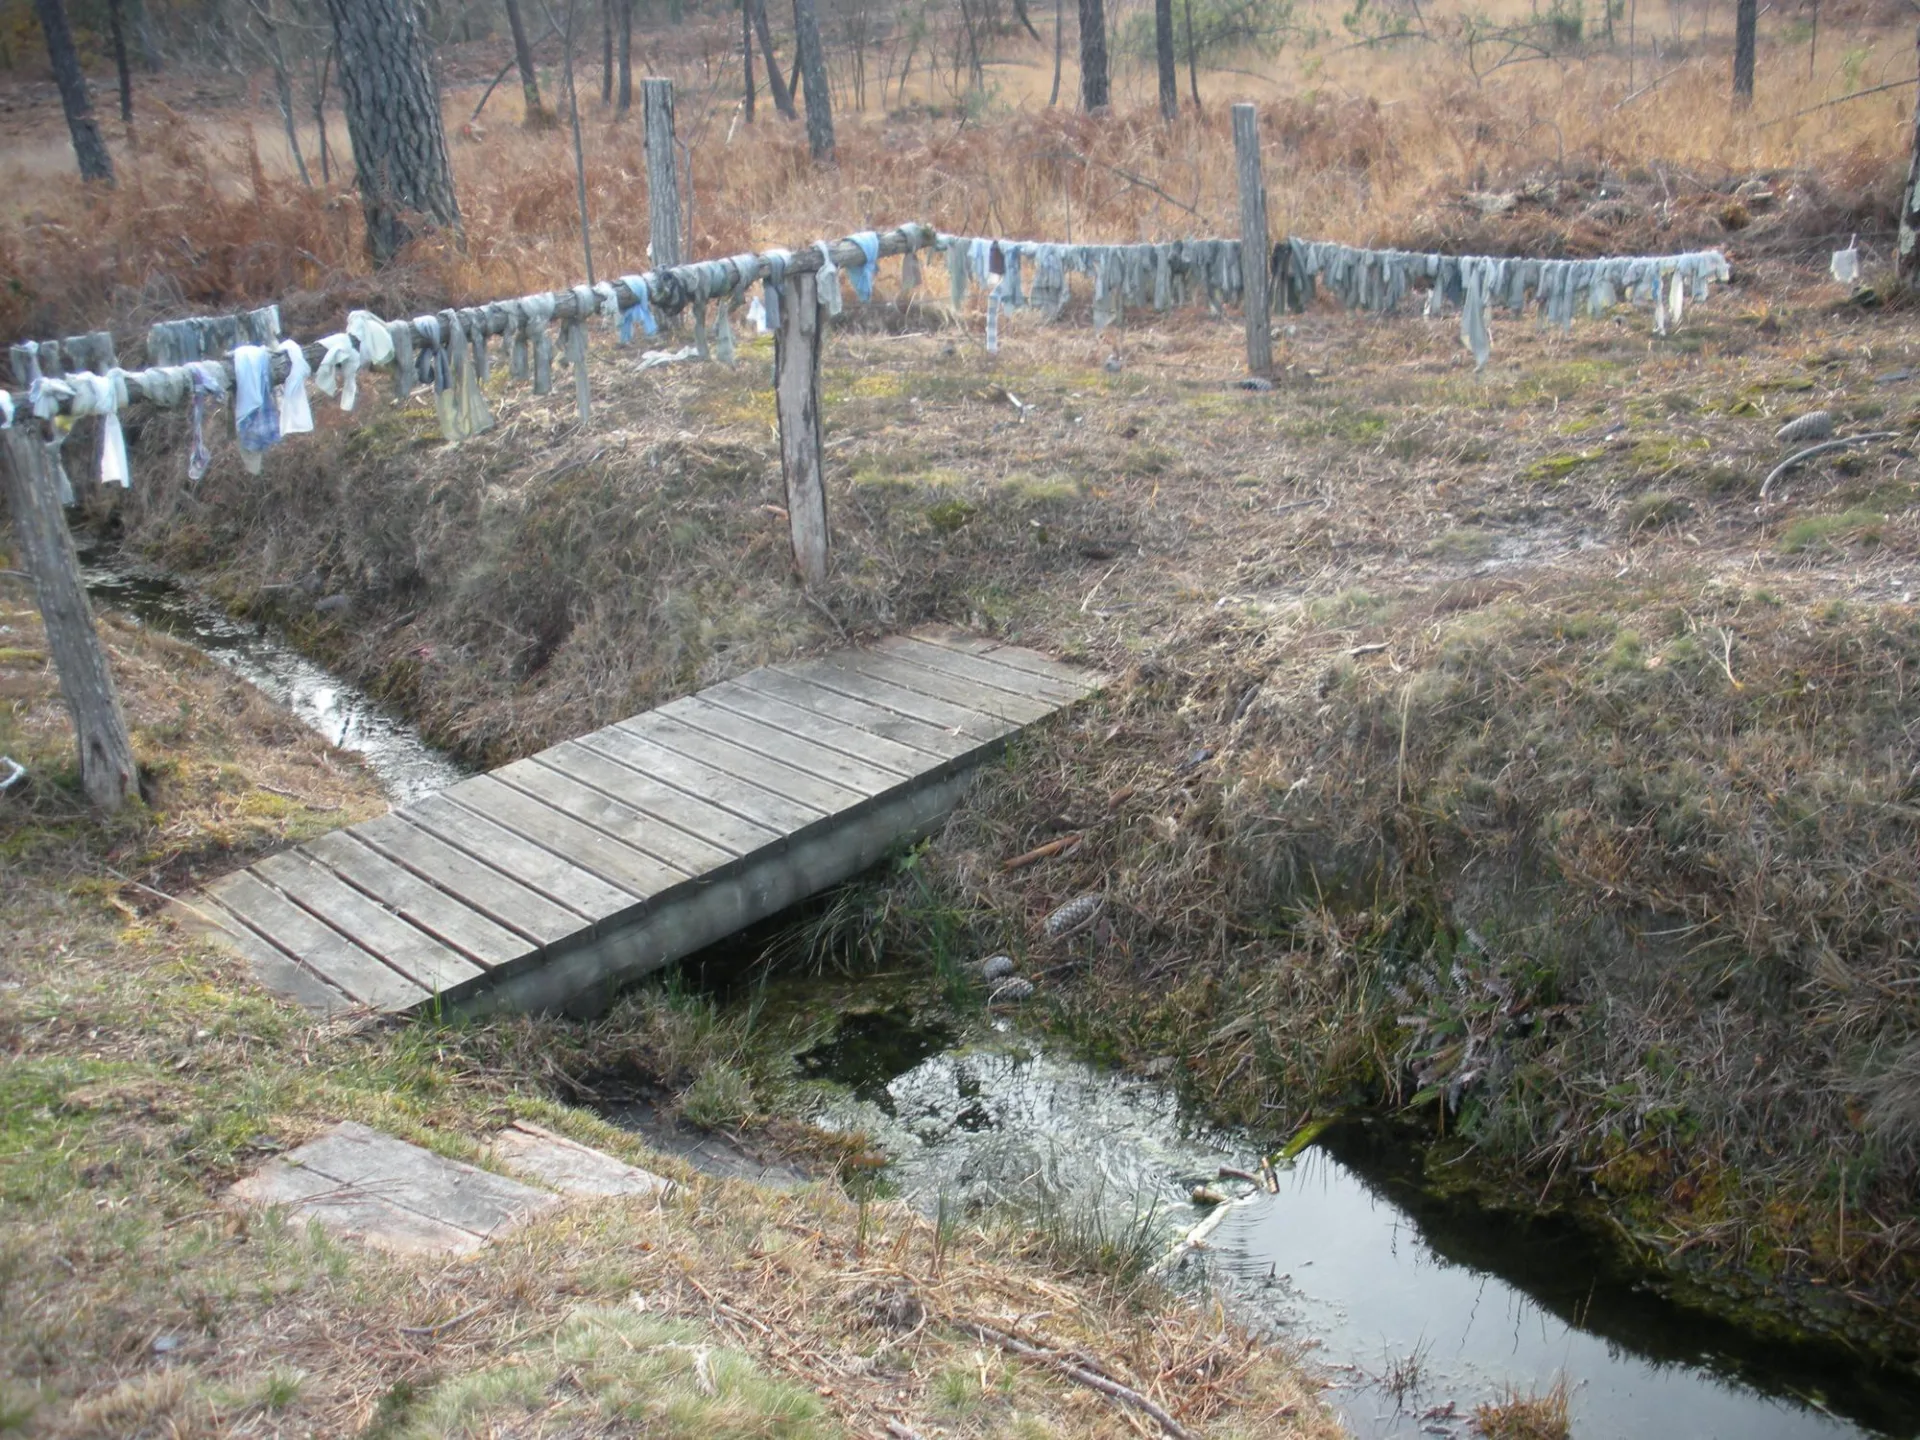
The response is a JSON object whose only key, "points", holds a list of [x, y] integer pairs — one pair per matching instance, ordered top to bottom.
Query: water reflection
{"points": [[406, 766], [1417, 1306]]}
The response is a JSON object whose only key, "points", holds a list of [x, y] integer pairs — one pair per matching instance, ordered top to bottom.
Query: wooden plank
{"points": [[1014, 657], [979, 671], [835, 673], [1009, 711], [931, 740], [789, 749], [902, 760], [745, 764], [108, 773], [695, 777], [657, 799], [580, 845], [681, 851], [535, 867], [474, 882], [447, 919], [324, 951], [415, 954], [272, 966], [568, 1166], [454, 1193]]}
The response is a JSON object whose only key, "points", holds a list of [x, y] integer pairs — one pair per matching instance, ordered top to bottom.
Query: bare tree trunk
{"points": [[1020, 14], [1746, 21], [116, 27], [1059, 50], [606, 52], [746, 54], [1163, 55], [1193, 59], [813, 65], [776, 82], [282, 85], [1094, 92], [624, 101], [320, 115], [535, 115], [393, 117], [88, 148], [1906, 260], [108, 772]]}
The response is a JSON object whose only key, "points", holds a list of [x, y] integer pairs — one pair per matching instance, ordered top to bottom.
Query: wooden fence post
{"points": [[663, 189], [1254, 244], [796, 394], [107, 769]]}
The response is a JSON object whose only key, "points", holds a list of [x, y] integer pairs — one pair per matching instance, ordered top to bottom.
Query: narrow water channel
{"points": [[405, 765], [1414, 1305]]}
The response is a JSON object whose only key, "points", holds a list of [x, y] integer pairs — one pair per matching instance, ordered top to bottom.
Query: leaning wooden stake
{"points": [[663, 189], [1253, 240], [796, 393], [107, 769]]}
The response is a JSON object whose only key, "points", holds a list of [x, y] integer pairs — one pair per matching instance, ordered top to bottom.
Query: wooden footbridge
{"points": [[552, 881]]}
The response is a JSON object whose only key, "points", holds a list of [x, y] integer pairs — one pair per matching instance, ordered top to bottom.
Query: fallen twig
{"points": [[1841, 100], [1800, 457], [1041, 852], [444, 1325], [1080, 1374]]}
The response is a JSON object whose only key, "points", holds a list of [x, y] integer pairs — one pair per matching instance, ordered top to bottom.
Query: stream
{"points": [[405, 765], [1414, 1306]]}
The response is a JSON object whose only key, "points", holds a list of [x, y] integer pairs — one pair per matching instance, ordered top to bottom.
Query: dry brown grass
{"points": [[1369, 145], [140, 1072]]}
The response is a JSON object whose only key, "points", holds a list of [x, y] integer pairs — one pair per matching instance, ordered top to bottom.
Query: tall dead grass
{"points": [[1372, 145]]}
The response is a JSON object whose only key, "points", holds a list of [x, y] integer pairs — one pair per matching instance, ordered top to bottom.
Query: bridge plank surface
{"points": [[560, 876], [474, 883]]}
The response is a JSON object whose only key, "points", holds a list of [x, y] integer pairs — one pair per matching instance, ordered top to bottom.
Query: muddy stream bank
{"points": [[1415, 1304]]}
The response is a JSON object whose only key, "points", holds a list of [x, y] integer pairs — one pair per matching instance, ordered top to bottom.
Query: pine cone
{"points": [[1815, 425], [1074, 916]]}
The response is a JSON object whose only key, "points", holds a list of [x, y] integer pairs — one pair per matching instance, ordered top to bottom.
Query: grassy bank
{"points": [[1480, 743], [140, 1073]]}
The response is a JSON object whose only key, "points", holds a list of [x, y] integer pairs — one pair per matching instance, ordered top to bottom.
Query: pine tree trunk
{"points": [[1746, 21], [116, 27], [606, 52], [1163, 54], [1193, 61], [813, 70], [776, 82], [1094, 94], [624, 102], [535, 115], [393, 118], [88, 148], [1906, 260]]}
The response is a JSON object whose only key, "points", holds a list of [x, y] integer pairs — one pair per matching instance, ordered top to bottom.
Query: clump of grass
{"points": [[1820, 532], [720, 1098], [1527, 1416]]}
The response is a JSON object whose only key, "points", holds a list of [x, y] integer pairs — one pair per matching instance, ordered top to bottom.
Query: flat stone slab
{"points": [[568, 1166], [363, 1185]]}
